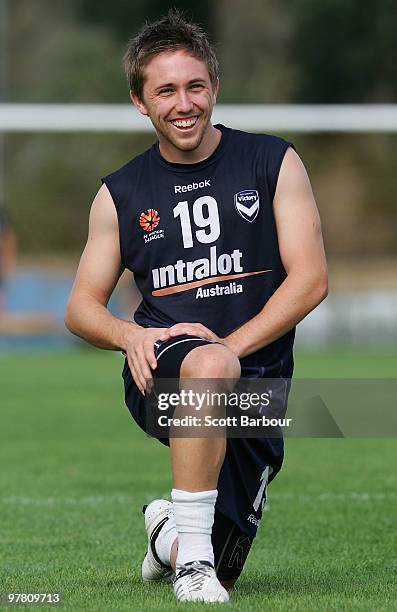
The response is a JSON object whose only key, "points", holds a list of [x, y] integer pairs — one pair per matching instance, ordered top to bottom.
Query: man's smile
{"points": [[184, 124]]}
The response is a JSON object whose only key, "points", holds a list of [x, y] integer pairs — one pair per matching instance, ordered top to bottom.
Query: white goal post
{"points": [[307, 118]]}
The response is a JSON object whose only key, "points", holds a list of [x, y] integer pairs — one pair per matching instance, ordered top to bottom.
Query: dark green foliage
{"points": [[125, 17], [346, 50], [270, 52], [53, 180]]}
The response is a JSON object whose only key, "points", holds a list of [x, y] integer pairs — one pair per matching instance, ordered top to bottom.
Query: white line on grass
{"points": [[96, 500]]}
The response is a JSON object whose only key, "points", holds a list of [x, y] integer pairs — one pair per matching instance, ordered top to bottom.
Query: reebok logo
{"points": [[192, 186], [252, 519]]}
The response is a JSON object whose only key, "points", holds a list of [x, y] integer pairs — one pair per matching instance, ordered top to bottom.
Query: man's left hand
{"points": [[190, 329], [195, 329]]}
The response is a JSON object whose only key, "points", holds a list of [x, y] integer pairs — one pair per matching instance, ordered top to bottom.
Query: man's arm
{"points": [[302, 253], [99, 270], [97, 275]]}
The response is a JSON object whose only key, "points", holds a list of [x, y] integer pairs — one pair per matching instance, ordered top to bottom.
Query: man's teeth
{"points": [[183, 123]]}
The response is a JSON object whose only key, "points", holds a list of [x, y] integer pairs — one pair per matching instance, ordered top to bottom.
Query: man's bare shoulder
{"points": [[293, 162], [293, 178], [103, 215]]}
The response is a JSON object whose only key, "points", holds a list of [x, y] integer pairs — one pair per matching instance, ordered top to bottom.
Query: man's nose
{"points": [[184, 103]]}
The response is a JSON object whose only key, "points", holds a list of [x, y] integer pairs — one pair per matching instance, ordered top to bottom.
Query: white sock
{"points": [[194, 517], [165, 540]]}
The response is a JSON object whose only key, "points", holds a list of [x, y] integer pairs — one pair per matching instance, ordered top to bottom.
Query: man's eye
{"points": [[197, 86], [165, 91]]}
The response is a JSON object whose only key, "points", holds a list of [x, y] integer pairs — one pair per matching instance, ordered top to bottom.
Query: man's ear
{"points": [[215, 91], [138, 103]]}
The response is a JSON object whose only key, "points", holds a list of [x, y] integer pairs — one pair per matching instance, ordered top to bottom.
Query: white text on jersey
{"points": [[192, 186], [182, 271]]}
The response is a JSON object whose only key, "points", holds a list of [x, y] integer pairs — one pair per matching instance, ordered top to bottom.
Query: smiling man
{"points": [[221, 231]]}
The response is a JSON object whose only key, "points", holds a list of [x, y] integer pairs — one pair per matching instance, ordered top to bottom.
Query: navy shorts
{"points": [[250, 463]]}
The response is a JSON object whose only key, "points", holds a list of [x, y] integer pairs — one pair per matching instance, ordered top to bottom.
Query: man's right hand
{"points": [[139, 348]]}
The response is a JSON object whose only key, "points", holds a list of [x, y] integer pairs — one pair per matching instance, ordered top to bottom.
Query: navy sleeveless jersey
{"points": [[201, 238]]}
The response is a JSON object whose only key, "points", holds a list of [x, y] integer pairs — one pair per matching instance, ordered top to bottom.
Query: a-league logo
{"points": [[247, 204], [149, 220]]}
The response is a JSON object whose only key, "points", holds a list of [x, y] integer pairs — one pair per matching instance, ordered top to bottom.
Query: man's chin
{"points": [[187, 144]]}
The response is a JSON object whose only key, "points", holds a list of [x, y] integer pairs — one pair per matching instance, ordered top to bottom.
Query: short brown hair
{"points": [[170, 33]]}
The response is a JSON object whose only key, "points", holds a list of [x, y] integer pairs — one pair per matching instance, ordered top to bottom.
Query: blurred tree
{"points": [[124, 17], [346, 50], [254, 51], [270, 51], [54, 59], [61, 174]]}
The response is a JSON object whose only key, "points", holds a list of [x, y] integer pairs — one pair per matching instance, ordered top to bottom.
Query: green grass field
{"points": [[76, 472]]}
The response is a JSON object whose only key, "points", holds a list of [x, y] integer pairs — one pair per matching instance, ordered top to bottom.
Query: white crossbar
{"points": [[252, 117]]}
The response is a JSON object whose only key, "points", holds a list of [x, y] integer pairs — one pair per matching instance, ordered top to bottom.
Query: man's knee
{"points": [[211, 361]]}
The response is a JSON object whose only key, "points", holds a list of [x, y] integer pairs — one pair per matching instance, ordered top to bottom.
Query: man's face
{"points": [[179, 97]]}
